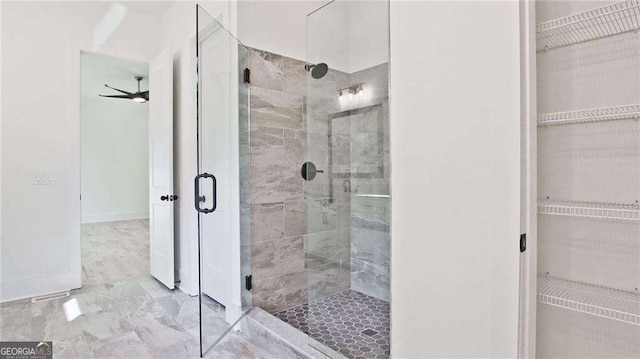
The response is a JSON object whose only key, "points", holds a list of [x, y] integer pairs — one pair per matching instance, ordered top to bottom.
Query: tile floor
{"points": [[115, 251], [115, 316], [350, 322]]}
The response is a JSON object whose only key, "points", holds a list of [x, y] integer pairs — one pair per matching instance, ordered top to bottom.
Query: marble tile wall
{"points": [[370, 201], [301, 231], [292, 257]]}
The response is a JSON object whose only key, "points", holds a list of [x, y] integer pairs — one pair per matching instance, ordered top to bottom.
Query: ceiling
{"points": [[98, 70]]}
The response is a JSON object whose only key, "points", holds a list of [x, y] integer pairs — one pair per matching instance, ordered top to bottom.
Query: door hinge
{"points": [[247, 76], [523, 242], [248, 282]]}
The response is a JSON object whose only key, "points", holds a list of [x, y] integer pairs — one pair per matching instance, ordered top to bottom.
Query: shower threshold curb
{"points": [[262, 326]]}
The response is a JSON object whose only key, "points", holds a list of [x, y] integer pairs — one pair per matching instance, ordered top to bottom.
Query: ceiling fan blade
{"points": [[123, 91], [145, 94], [116, 96]]}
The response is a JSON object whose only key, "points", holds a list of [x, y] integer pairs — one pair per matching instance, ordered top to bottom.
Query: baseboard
{"points": [[110, 217], [35, 287]]}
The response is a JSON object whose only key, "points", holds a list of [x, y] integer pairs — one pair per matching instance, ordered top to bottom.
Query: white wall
{"points": [[275, 26], [368, 34], [347, 35], [41, 44], [455, 120], [114, 159]]}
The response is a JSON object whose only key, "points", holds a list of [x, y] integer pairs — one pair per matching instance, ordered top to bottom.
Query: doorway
{"points": [[114, 167]]}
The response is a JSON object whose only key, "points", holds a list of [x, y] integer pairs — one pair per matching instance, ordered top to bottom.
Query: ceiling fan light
{"points": [[139, 99]]}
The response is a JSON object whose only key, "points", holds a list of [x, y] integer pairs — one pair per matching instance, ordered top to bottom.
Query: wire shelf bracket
{"points": [[590, 25], [624, 112], [597, 210], [616, 304]]}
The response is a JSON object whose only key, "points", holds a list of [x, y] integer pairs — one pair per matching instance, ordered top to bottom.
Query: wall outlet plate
{"points": [[45, 178]]}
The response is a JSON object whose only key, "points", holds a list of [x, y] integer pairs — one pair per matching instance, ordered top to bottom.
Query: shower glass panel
{"points": [[222, 120], [348, 199]]}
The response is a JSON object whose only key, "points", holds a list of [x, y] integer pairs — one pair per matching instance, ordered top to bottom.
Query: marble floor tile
{"points": [[115, 251], [122, 314], [127, 345]]}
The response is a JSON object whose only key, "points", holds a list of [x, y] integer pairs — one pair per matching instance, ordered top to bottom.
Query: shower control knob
{"points": [[309, 171]]}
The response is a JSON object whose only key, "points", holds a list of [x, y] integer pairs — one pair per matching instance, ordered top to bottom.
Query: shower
{"points": [[317, 71]]}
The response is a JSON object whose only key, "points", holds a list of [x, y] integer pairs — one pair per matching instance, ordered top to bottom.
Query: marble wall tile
{"points": [[277, 72], [375, 82], [272, 108], [367, 121], [289, 129], [266, 136], [295, 142], [366, 150], [271, 155], [276, 183], [371, 213], [326, 214], [370, 216], [295, 218], [267, 221], [329, 246], [370, 246], [278, 257], [370, 278], [327, 279], [295, 288], [269, 294]]}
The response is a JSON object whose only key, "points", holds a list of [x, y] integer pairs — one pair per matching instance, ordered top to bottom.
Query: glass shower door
{"points": [[222, 120], [348, 199]]}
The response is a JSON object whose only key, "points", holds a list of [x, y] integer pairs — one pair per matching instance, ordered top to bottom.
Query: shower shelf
{"points": [[613, 19], [624, 112], [599, 210], [616, 304]]}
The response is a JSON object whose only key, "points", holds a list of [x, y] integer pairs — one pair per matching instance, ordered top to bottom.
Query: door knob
{"points": [[173, 197], [164, 198]]}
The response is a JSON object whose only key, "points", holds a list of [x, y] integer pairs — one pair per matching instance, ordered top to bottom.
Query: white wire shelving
{"points": [[609, 20], [624, 112], [596, 210], [616, 304]]}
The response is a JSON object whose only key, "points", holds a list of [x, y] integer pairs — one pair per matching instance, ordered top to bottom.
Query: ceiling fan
{"points": [[140, 96]]}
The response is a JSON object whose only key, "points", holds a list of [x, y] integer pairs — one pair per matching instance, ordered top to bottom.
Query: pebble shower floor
{"points": [[351, 323]]}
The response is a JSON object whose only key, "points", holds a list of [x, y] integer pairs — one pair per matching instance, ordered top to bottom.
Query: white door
{"points": [[215, 117], [161, 194]]}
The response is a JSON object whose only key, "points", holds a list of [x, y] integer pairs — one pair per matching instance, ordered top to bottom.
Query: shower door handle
{"points": [[199, 199]]}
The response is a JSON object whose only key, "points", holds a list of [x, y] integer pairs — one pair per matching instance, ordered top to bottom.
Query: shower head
{"points": [[317, 71]]}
